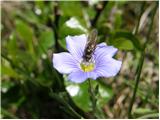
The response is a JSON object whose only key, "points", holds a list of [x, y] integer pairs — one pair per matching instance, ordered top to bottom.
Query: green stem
{"points": [[141, 60], [140, 65], [92, 96], [93, 99], [97, 112]]}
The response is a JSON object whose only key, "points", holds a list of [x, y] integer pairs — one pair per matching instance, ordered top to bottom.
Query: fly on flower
{"points": [[90, 46], [86, 59], [87, 63]]}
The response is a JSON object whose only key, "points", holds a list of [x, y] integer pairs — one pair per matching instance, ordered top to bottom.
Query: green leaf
{"points": [[69, 9], [29, 17], [118, 20], [72, 27], [25, 33], [46, 40], [125, 41], [123, 44], [12, 45], [26, 60], [6, 70], [44, 81], [78, 92], [105, 95], [81, 97], [143, 111], [149, 116]]}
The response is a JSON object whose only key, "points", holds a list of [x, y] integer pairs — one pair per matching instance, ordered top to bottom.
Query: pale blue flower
{"points": [[102, 65]]}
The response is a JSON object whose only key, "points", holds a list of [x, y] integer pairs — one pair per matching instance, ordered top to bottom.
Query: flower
{"points": [[72, 63]]}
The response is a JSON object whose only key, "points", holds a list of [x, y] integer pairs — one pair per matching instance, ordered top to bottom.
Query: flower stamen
{"points": [[87, 66]]}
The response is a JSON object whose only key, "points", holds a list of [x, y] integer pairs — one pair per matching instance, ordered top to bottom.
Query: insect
{"points": [[90, 46]]}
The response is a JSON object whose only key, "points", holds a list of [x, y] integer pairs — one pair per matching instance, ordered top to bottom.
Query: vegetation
{"points": [[33, 31]]}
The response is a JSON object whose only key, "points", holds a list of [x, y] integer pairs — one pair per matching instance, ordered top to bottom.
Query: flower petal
{"points": [[103, 44], [76, 45], [104, 50], [64, 62], [107, 66], [93, 75], [77, 76], [80, 76]]}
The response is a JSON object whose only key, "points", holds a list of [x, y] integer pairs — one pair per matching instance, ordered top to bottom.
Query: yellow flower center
{"points": [[87, 67]]}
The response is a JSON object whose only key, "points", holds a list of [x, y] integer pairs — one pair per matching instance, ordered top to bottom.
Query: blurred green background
{"points": [[32, 31]]}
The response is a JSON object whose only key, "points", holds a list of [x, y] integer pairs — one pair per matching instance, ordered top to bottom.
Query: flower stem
{"points": [[141, 60], [92, 92], [92, 97], [96, 110]]}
